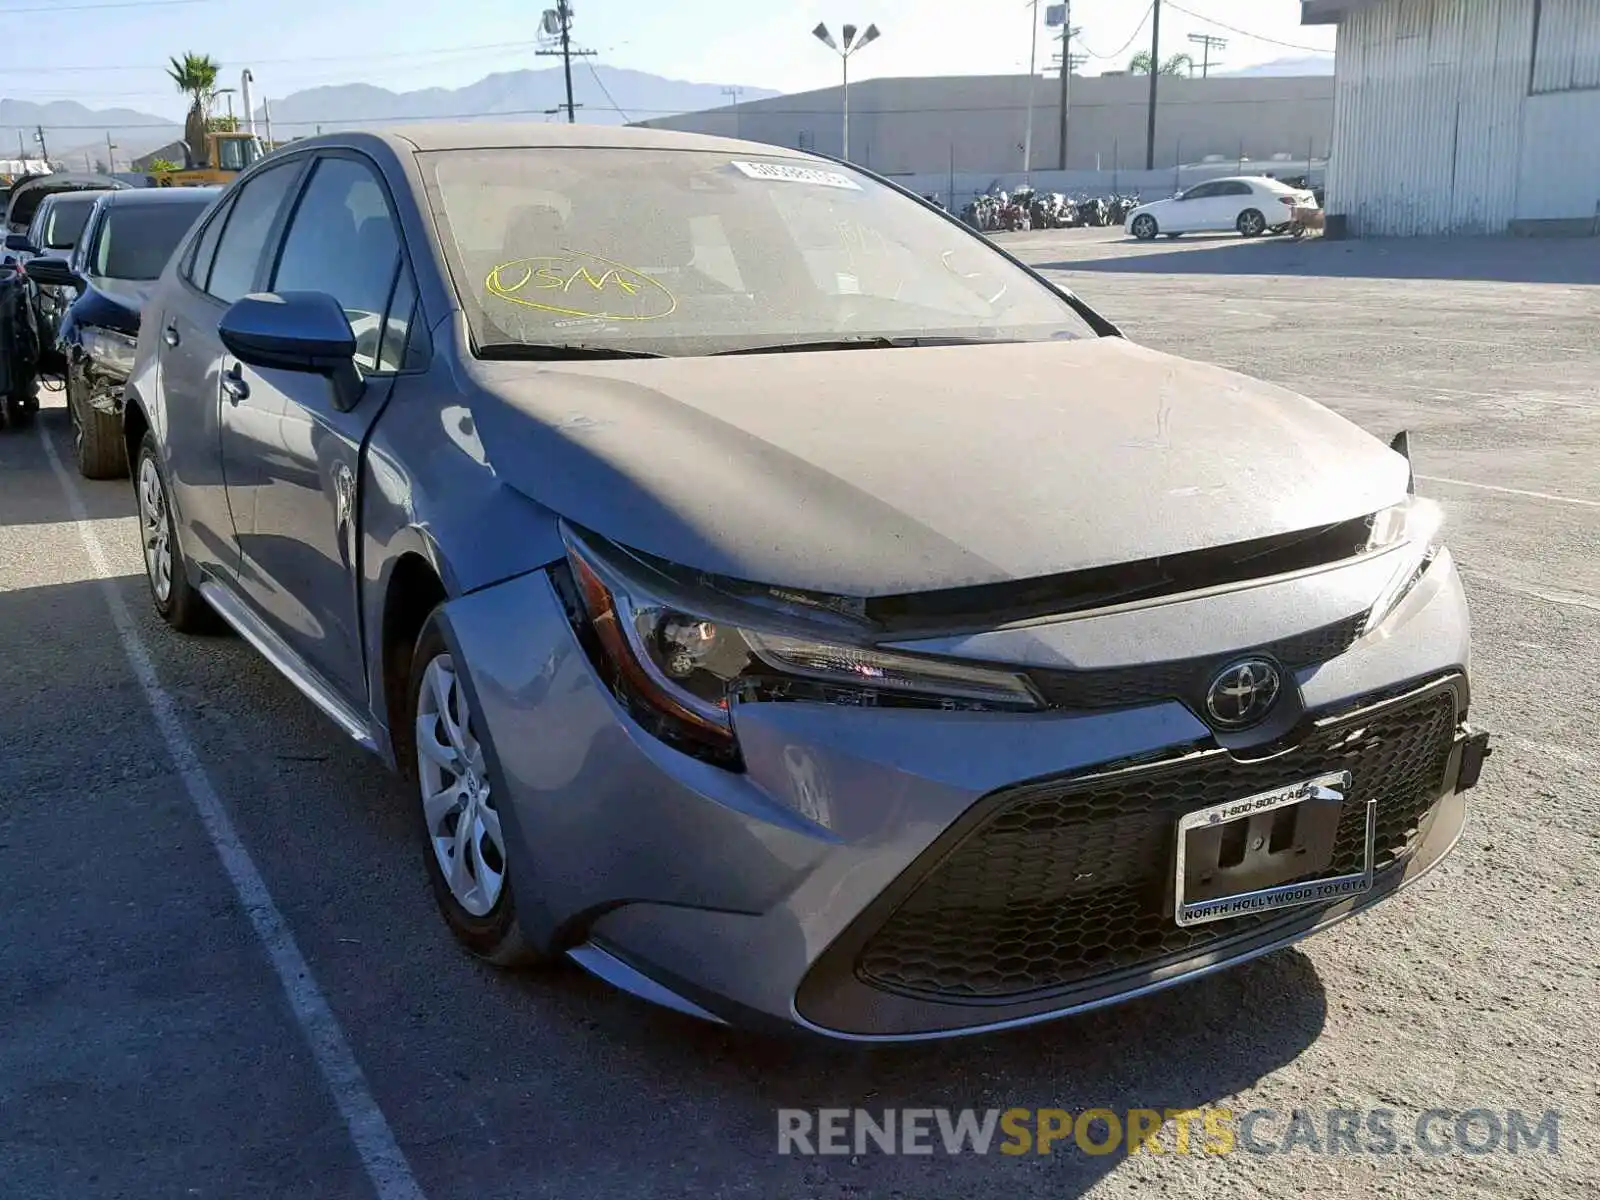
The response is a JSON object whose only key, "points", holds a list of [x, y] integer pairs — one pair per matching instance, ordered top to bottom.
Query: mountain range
{"points": [[604, 95]]}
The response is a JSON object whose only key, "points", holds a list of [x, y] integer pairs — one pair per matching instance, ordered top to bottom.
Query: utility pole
{"points": [[557, 25], [1207, 43], [1069, 62], [1155, 76], [733, 94], [266, 113], [38, 136], [111, 154]]}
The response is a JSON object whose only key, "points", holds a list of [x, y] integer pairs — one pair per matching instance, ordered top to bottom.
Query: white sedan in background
{"points": [[1250, 204]]}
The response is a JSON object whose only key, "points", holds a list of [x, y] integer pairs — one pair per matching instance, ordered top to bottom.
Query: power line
{"points": [[61, 8], [1139, 28], [1245, 33], [254, 61], [615, 107]]}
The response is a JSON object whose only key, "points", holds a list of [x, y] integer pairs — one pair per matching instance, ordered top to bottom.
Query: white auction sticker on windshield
{"points": [[787, 174]]}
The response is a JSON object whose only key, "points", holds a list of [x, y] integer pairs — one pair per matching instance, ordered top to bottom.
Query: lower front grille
{"points": [[1068, 879]]}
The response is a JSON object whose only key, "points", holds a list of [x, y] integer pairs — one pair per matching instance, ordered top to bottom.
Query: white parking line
{"points": [[1490, 487], [380, 1154]]}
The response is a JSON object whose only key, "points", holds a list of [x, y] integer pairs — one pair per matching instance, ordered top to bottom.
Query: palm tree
{"points": [[1178, 64], [195, 75]]}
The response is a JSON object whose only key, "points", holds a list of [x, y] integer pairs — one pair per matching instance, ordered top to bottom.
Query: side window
{"points": [[1238, 189], [1201, 191], [342, 240], [198, 268], [233, 272]]}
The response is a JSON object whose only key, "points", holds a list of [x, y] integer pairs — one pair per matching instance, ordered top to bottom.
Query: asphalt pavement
{"points": [[221, 973]]}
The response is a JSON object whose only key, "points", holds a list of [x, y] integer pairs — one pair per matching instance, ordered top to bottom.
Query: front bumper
{"points": [[765, 897]]}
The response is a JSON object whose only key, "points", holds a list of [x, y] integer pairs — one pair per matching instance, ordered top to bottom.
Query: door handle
{"points": [[170, 335], [235, 387]]}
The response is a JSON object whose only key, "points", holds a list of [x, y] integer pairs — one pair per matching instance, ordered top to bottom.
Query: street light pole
{"points": [[850, 46], [1033, 69]]}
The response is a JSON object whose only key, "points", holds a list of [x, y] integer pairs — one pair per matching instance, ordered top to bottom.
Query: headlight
{"points": [[111, 351], [1410, 533], [679, 670]]}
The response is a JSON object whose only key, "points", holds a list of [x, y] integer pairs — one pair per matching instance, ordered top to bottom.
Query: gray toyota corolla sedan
{"points": [[781, 601]]}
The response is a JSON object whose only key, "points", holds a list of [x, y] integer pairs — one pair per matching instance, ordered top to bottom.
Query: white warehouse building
{"points": [[1464, 116]]}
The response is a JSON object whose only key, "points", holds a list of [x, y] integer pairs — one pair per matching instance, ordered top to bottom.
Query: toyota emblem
{"points": [[1243, 693]]}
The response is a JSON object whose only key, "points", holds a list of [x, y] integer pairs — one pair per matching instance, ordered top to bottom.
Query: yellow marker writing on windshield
{"points": [[589, 285]]}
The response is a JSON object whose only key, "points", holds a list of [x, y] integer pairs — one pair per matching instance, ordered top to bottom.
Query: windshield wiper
{"points": [[862, 343], [556, 351]]}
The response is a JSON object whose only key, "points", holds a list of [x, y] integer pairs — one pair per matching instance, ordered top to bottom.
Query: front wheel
{"points": [[1251, 223], [1144, 227], [97, 437], [464, 841]]}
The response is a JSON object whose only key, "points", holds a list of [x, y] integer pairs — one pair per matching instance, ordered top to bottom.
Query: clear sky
{"points": [[109, 53]]}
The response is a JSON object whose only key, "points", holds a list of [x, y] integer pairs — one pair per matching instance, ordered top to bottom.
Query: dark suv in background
{"points": [[124, 247]]}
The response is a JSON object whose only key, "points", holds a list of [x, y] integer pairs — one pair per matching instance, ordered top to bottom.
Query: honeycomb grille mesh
{"points": [[1073, 880]]}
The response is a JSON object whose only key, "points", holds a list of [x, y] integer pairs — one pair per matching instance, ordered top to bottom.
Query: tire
{"points": [[1251, 223], [1144, 227], [97, 437], [177, 601], [480, 909]]}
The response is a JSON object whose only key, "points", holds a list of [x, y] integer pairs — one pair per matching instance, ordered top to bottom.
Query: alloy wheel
{"points": [[1251, 223], [1144, 228], [155, 529], [457, 803]]}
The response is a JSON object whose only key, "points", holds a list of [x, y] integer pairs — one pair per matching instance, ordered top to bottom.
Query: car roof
{"points": [[476, 135], [146, 196], [55, 198]]}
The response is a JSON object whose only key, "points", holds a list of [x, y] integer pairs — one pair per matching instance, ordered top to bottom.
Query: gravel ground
{"points": [[149, 1050]]}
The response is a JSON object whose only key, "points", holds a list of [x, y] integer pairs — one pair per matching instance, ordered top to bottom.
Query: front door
{"points": [[1194, 211], [219, 268], [291, 456]]}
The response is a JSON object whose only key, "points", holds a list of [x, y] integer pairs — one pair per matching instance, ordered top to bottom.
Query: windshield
{"points": [[235, 154], [65, 222], [135, 240], [688, 252]]}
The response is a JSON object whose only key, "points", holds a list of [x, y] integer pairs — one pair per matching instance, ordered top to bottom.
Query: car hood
{"points": [[1148, 205], [129, 294], [880, 472]]}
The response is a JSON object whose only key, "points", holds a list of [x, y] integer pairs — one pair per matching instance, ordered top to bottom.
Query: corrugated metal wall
{"points": [[1569, 46], [1428, 115]]}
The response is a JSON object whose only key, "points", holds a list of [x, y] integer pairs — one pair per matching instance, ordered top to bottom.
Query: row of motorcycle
{"points": [[1027, 208]]}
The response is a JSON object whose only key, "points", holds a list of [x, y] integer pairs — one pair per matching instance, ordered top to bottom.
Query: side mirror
{"points": [[19, 243], [52, 272], [295, 331]]}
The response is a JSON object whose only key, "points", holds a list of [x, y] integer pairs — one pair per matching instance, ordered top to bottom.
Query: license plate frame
{"points": [[1325, 890]]}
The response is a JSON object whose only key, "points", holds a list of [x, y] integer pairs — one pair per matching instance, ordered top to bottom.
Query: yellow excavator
{"points": [[226, 154]]}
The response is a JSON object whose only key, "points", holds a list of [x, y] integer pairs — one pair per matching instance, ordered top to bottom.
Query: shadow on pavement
{"points": [[1497, 260], [30, 493], [1182, 1048]]}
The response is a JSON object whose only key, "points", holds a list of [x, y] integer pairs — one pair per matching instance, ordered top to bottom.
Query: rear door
{"points": [[1238, 196], [222, 265], [292, 458]]}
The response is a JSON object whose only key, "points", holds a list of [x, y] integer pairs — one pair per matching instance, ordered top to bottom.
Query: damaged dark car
{"points": [[125, 244]]}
